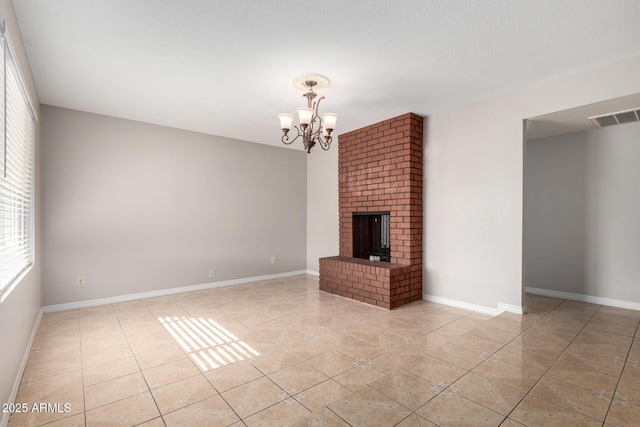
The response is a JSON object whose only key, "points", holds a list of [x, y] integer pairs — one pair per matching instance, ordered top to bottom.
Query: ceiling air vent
{"points": [[618, 118]]}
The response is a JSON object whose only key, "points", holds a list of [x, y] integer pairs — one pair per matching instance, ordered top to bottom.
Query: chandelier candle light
{"points": [[313, 129]]}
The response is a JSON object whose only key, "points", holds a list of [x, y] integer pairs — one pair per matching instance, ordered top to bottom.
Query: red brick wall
{"points": [[380, 169], [378, 283]]}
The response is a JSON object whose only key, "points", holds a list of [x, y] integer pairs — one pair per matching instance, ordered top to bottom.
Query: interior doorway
{"points": [[581, 204]]}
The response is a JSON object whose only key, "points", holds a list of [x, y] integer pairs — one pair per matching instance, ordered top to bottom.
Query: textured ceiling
{"points": [[225, 67]]}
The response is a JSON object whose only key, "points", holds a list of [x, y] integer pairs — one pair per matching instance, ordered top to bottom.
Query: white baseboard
{"points": [[313, 272], [163, 292], [584, 298], [502, 307], [510, 308], [23, 366]]}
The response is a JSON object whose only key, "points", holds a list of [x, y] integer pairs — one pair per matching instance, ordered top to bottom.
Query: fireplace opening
{"points": [[372, 235]]}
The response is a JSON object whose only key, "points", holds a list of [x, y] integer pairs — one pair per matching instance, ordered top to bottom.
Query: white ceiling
{"points": [[225, 67]]}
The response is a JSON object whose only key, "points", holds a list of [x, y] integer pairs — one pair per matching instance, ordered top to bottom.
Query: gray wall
{"points": [[582, 204], [322, 206], [135, 207], [19, 311]]}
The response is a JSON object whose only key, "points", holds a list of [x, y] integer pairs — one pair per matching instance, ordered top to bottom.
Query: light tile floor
{"points": [[280, 352]]}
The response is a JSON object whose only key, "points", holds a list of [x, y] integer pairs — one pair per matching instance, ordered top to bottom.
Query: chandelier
{"points": [[313, 129]]}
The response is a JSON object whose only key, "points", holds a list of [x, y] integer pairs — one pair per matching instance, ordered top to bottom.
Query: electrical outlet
{"points": [[273, 260], [212, 273], [443, 278], [80, 281]]}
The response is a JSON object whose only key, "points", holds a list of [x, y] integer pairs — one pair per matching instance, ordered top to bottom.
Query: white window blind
{"points": [[16, 175]]}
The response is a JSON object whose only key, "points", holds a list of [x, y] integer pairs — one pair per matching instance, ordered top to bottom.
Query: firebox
{"points": [[372, 236]]}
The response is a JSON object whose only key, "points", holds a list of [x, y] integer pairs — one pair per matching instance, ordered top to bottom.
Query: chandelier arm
{"points": [[317, 104], [316, 123], [285, 137], [325, 143]]}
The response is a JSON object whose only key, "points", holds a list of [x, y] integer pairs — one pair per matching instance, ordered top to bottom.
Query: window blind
{"points": [[16, 175]]}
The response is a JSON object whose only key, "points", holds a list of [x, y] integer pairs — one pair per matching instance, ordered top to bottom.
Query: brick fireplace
{"points": [[380, 170]]}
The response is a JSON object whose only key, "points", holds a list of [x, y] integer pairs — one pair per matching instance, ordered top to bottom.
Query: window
{"points": [[17, 123]]}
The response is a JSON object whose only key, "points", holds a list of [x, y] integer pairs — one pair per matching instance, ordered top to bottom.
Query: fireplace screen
{"points": [[372, 236]]}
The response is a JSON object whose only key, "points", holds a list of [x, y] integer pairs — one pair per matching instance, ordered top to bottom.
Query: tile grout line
{"points": [[505, 345], [487, 358], [557, 358], [138, 364], [264, 375], [81, 378], [212, 385], [613, 396], [413, 412]]}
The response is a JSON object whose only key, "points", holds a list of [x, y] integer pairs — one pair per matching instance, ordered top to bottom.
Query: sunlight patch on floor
{"points": [[208, 343]]}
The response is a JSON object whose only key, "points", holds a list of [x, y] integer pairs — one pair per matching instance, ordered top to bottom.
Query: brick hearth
{"points": [[380, 169]]}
